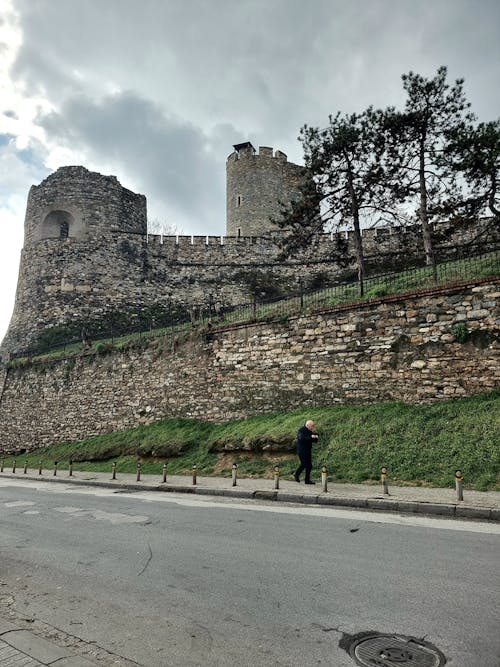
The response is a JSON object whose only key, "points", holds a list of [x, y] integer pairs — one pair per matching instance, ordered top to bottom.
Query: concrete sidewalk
{"points": [[421, 500], [21, 648]]}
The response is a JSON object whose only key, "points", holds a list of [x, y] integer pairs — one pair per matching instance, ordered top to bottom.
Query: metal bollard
{"points": [[1, 465], [14, 465], [139, 466], [25, 467], [39, 467], [55, 468], [113, 470], [70, 473], [234, 473], [194, 474], [276, 477], [164, 479], [324, 479], [383, 479], [459, 484]]}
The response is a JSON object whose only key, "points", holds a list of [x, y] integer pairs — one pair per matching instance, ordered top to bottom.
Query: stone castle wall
{"points": [[88, 259], [76, 282], [392, 349]]}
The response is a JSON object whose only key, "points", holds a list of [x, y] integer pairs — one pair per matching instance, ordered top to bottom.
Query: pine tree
{"points": [[418, 150], [475, 155], [345, 186]]}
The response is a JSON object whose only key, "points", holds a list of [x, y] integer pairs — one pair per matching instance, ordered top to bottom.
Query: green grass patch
{"points": [[420, 444]]}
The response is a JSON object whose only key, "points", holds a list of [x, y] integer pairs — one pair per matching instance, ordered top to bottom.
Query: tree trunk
{"points": [[493, 191], [358, 240], [430, 260]]}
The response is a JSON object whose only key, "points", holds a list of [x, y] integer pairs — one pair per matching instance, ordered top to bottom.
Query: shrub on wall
{"points": [[460, 333]]}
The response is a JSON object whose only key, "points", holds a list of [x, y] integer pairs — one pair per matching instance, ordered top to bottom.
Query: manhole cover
{"points": [[376, 650]]}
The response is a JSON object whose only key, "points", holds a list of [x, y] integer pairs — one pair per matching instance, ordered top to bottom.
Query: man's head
{"points": [[310, 424]]}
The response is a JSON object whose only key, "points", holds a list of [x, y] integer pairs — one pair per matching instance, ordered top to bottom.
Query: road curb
{"points": [[453, 510]]}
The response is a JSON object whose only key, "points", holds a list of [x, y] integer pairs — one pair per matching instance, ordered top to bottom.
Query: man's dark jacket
{"points": [[304, 441]]}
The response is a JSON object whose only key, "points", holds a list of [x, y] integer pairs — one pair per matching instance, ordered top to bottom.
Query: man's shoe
{"points": [[297, 479], [309, 482]]}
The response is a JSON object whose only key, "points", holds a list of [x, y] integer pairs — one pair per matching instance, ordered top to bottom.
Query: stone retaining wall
{"points": [[391, 349]]}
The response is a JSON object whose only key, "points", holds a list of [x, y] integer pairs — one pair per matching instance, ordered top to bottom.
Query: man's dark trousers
{"points": [[305, 457]]}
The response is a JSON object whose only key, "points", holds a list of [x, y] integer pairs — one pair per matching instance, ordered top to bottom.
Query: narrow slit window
{"points": [[239, 200]]}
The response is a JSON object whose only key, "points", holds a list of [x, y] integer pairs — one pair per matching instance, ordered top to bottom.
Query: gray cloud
{"points": [[264, 65], [147, 86], [168, 159]]}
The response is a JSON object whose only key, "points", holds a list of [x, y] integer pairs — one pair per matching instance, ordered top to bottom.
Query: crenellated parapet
{"points": [[247, 151], [378, 242]]}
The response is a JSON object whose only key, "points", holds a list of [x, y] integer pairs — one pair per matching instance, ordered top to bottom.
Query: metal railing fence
{"points": [[377, 286]]}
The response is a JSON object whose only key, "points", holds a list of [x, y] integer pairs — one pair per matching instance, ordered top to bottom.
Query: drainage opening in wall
{"points": [[372, 649]]}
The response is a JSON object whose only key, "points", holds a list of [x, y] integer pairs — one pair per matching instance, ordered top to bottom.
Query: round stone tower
{"points": [[256, 185], [74, 202], [69, 266]]}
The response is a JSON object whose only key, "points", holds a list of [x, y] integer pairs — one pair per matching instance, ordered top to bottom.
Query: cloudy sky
{"points": [[157, 91]]}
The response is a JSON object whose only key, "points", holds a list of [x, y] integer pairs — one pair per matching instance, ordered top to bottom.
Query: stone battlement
{"points": [[247, 151], [376, 240]]}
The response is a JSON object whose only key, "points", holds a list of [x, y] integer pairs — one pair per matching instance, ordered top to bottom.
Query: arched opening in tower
{"points": [[57, 225]]}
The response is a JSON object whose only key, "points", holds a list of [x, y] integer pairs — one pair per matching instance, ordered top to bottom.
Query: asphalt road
{"points": [[171, 580]]}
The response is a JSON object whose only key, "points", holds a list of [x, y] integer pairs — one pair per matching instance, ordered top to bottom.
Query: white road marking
{"points": [[19, 503], [326, 512], [99, 515]]}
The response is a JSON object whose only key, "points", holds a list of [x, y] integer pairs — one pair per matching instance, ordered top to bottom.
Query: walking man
{"points": [[305, 437]]}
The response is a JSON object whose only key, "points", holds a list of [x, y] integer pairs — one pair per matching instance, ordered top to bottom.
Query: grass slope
{"points": [[420, 444]]}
